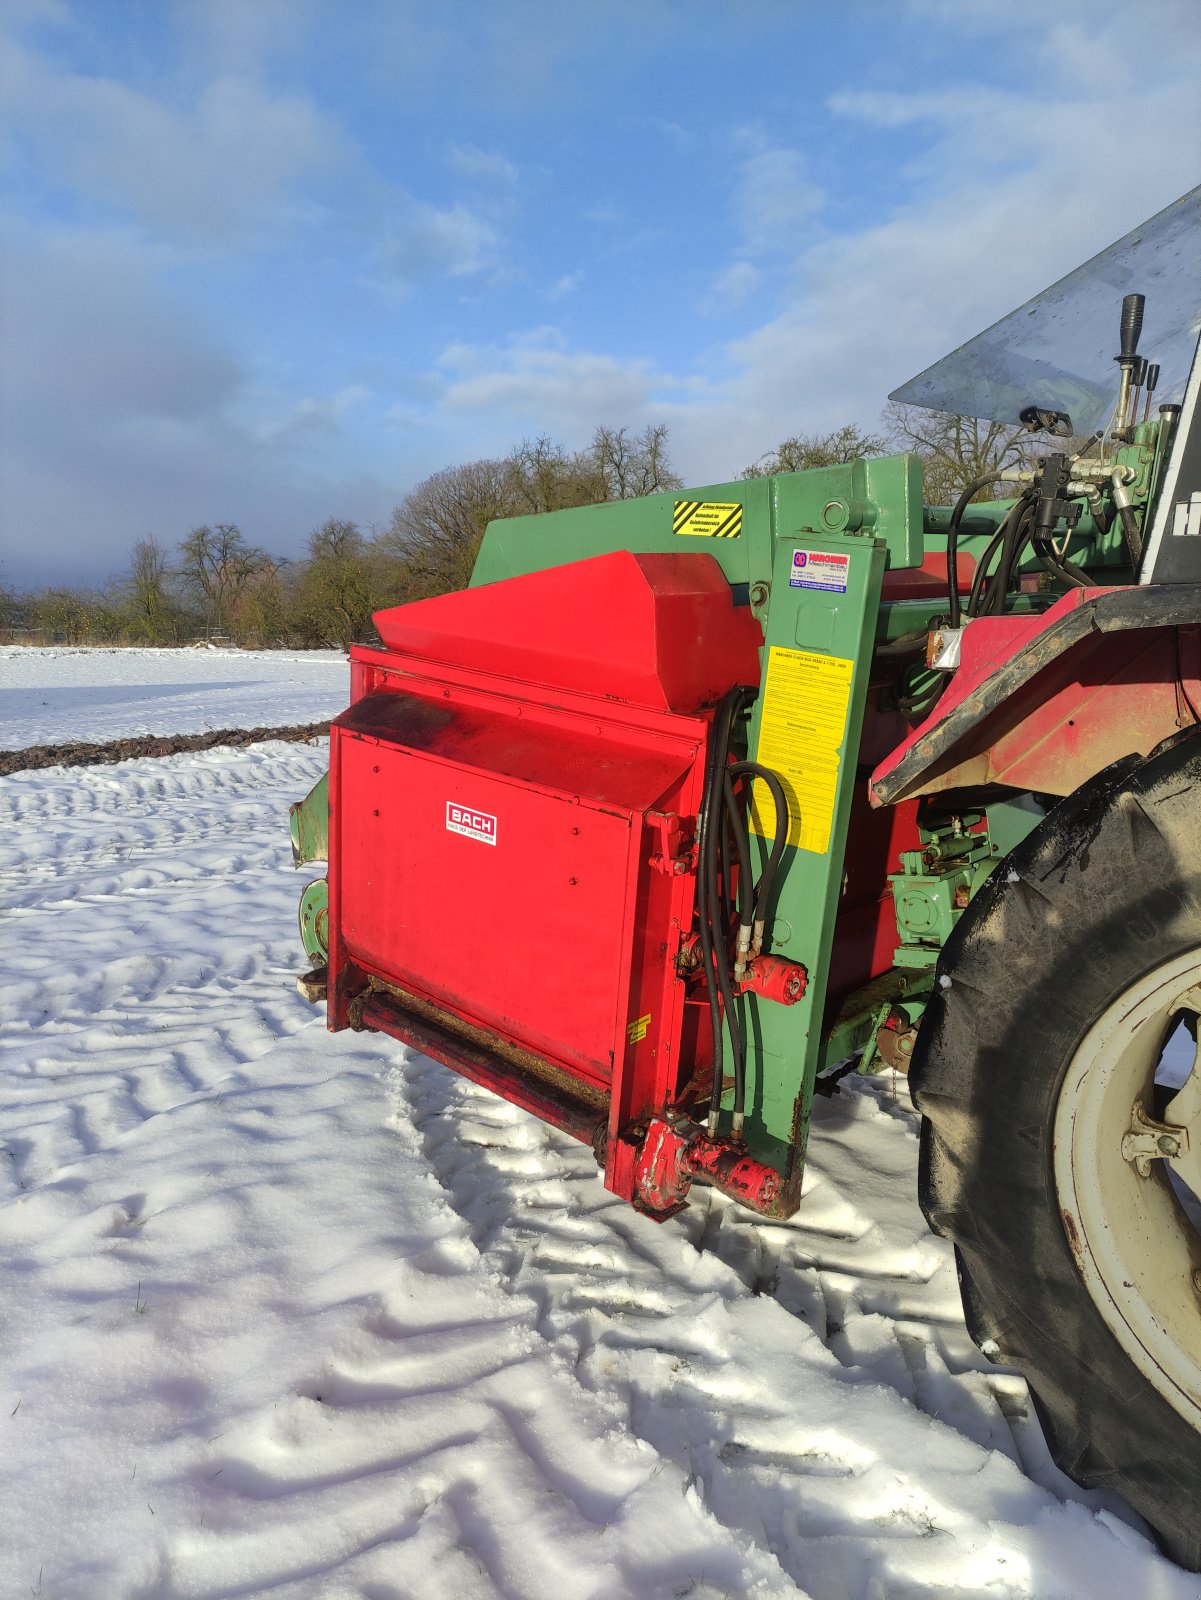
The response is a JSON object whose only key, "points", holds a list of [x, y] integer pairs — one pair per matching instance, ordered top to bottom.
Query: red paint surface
{"points": [[930, 580], [654, 630], [1106, 696], [558, 739]]}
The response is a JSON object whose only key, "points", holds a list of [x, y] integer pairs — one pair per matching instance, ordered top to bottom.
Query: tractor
{"points": [[689, 803]]}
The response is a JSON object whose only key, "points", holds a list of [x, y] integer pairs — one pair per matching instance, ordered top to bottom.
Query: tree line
{"points": [[216, 585]]}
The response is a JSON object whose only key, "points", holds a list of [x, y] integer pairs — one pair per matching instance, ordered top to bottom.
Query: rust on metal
{"points": [[526, 1061]]}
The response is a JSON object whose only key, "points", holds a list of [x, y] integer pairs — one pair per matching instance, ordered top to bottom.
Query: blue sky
{"points": [[271, 261]]}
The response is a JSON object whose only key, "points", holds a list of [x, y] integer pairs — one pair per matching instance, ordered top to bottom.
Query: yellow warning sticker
{"points": [[710, 519], [805, 699], [636, 1031]]}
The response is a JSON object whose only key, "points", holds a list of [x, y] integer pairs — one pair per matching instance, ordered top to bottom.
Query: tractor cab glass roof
{"points": [[1056, 351]]}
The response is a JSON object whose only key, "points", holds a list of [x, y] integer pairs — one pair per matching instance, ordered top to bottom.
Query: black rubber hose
{"points": [[961, 505], [1017, 532], [1134, 539], [997, 542], [994, 544], [1065, 571], [907, 645], [752, 769], [705, 822], [725, 850], [742, 851], [714, 940], [724, 986]]}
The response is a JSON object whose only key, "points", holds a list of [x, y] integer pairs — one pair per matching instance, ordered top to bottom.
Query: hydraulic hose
{"points": [[961, 505], [1018, 529], [1008, 539], [1134, 539], [1066, 571], [977, 589], [752, 769], [737, 836], [724, 845], [760, 896], [713, 950]]}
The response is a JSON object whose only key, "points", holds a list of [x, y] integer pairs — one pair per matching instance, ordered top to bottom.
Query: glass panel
{"points": [[1057, 350]]}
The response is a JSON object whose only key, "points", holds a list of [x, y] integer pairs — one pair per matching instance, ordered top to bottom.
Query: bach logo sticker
{"points": [[818, 569], [479, 825]]}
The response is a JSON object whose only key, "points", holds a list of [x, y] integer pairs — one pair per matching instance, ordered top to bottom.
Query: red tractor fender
{"points": [[1043, 702]]}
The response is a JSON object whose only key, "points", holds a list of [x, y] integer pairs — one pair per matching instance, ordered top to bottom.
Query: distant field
{"points": [[53, 694]]}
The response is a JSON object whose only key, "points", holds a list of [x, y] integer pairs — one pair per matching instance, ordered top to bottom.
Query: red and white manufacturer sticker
{"points": [[819, 569], [471, 824]]}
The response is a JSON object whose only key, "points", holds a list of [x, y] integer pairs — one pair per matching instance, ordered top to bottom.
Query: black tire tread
{"points": [[1102, 891]]}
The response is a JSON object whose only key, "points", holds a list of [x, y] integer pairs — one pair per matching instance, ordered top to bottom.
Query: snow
{"points": [[88, 694], [293, 1314]]}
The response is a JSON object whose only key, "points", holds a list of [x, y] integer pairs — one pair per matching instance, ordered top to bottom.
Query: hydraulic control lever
{"points": [[1127, 356]]}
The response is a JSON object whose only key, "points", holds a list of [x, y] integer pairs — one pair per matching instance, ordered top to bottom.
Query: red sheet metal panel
{"points": [[651, 629], [510, 834], [490, 860]]}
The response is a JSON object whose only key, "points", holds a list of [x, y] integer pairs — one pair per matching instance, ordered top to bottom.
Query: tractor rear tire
{"points": [[1078, 1264]]}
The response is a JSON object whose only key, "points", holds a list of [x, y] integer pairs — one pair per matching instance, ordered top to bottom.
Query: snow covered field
{"points": [[92, 695], [299, 1315]]}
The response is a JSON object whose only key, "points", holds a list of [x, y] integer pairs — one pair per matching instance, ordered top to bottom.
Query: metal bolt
{"points": [[1168, 1146], [1197, 1281]]}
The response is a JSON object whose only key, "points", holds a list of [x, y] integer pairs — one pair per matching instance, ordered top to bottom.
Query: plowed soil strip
{"points": [[173, 744]]}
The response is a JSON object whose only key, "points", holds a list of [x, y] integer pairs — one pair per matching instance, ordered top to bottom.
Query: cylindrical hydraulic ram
{"points": [[734, 1173]]}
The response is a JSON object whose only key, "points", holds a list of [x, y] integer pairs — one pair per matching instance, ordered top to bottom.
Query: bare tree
{"points": [[955, 450], [802, 451], [632, 465], [543, 476], [436, 530], [216, 564], [339, 586], [152, 610], [65, 614], [265, 614]]}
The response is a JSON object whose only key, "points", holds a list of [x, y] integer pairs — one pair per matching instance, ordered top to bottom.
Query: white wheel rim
{"points": [[1136, 1245]]}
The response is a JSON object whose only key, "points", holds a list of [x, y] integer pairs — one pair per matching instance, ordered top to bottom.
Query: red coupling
{"points": [[774, 978], [673, 1153], [728, 1168], [661, 1179]]}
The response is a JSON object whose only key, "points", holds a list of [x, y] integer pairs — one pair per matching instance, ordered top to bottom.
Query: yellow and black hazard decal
{"points": [[710, 519]]}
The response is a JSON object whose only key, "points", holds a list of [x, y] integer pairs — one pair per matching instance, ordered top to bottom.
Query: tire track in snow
{"points": [[140, 787], [112, 1014], [679, 1332], [534, 1389]]}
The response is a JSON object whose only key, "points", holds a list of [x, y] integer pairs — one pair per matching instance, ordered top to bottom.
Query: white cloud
{"points": [[890, 109], [230, 165], [482, 166], [775, 199], [428, 240], [733, 286], [866, 309], [534, 383], [120, 416], [313, 416]]}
